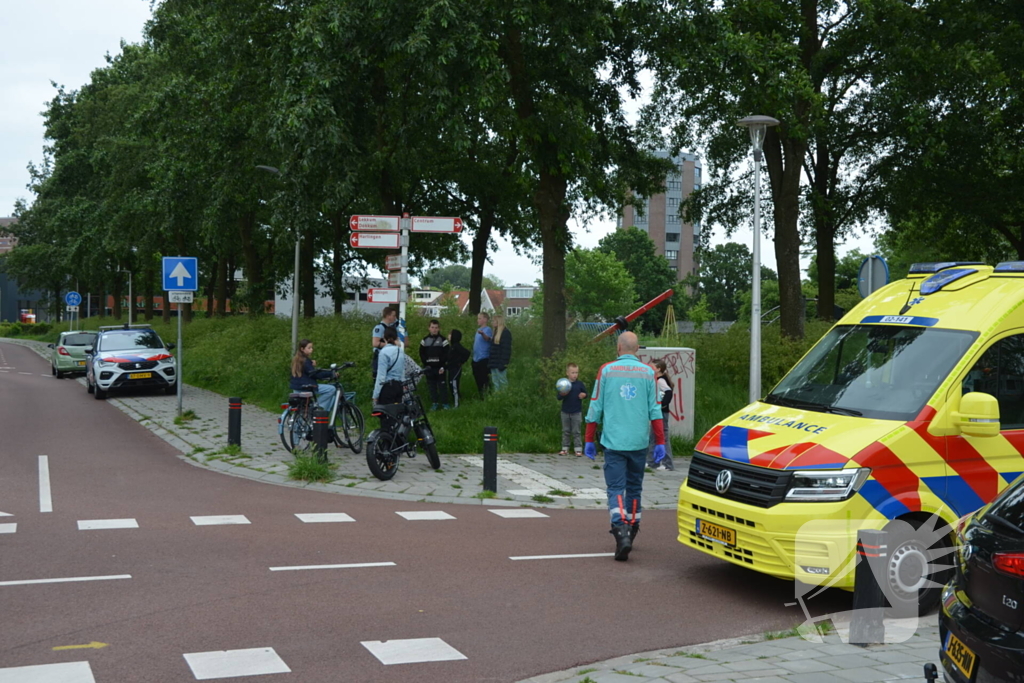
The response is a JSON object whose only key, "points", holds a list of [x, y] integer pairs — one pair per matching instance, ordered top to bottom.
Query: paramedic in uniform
{"points": [[625, 402]]}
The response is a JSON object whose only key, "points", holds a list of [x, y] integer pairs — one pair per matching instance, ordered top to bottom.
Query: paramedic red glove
{"points": [[658, 427], [590, 450]]}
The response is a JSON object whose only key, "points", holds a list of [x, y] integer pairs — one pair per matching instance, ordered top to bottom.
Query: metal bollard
{"points": [[234, 422], [321, 435], [491, 459], [868, 626]]}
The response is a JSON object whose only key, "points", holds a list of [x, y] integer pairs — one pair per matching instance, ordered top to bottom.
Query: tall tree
{"points": [[650, 271]]}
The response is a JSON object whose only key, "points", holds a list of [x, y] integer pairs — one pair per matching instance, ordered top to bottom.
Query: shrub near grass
{"points": [[249, 357]]}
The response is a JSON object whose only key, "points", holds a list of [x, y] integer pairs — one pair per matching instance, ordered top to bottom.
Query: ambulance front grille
{"points": [[757, 486]]}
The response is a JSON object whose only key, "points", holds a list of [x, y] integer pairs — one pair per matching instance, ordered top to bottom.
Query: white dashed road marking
{"points": [[24, 373], [45, 500], [6, 514], [519, 514], [422, 516], [320, 517], [212, 520], [87, 524], [8, 528], [561, 557], [332, 566], [72, 579], [412, 651], [233, 663], [68, 672]]}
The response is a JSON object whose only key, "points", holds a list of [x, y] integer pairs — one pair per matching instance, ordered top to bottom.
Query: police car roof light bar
{"points": [[918, 268]]}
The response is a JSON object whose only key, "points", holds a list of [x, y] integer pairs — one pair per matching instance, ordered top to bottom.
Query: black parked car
{"points": [[982, 620]]}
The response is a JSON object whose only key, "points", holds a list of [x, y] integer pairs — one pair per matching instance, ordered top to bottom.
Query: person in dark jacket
{"points": [[501, 353], [434, 356], [457, 357], [305, 375], [664, 383]]}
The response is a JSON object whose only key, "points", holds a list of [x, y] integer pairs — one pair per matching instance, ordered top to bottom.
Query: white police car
{"points": [[129, 356]]}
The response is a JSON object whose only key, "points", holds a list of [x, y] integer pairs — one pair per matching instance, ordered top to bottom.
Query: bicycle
{"points": [[346, 424], [385, 446]]}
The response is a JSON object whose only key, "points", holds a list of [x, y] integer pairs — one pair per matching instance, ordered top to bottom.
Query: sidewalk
{"points": [[541, 480], [782, 660]]}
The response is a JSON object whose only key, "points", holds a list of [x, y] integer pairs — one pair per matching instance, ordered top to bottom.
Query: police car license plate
{"points": [[140, 375], [716, 533], [961, 655]]}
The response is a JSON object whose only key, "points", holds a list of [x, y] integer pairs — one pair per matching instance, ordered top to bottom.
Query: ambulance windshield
{"points": [[885, 372]]}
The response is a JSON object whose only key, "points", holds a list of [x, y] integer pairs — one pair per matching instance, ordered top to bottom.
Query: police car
{"points": [[129, 356]]}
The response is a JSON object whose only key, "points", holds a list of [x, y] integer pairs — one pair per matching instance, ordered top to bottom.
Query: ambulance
{"points": [[906, 416]]}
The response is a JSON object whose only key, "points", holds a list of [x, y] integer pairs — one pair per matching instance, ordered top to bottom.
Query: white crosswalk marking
{"points": [[521, 513], [425, 515], [322, 517], [213, 520], [87, 524], [8, 528], [361, 565], [412, 651], [234, 663], [66, 672]]}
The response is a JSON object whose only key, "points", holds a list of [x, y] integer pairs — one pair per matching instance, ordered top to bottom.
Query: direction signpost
{"points": [[392, 232], [181, 280], [73, 301]]}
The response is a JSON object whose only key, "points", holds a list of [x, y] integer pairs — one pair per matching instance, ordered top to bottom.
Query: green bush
{"points": [[14, 330]]}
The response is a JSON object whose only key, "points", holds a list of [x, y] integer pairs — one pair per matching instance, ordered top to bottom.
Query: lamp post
{"points": [[758, 126], [295, 277], [130, 299]]}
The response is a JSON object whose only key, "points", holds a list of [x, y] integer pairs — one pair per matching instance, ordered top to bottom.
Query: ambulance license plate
{"points": [[140, 375], [716, 533], [961, 655]]}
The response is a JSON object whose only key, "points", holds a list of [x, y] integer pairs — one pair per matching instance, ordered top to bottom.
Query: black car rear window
{"points": [[79, 340], [125, 340], [1010, 504]]}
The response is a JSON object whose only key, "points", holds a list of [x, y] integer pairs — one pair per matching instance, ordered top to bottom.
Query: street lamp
{"points": [[758, 126], [295, 278], [130, 299]]}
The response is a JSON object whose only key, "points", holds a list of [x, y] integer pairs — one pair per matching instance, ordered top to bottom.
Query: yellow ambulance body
{"points": [[912, 406]]}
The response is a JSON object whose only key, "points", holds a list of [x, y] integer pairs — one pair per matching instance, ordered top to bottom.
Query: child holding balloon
{"points": [[571, 392]]}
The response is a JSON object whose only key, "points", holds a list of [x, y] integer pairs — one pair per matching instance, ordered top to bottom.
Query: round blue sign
{"points": [[73, 299]]}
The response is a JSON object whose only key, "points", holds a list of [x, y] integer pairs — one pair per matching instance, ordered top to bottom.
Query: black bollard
{"points": [[234, 422], [321, 434], [491, 459], [868, 626]]}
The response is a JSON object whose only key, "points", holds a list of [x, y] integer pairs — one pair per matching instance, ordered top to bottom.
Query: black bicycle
{"points": [[347, 427], [403, 427]]}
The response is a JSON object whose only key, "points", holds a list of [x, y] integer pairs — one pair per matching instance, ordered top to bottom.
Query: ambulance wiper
{"points": [[810, 405]]}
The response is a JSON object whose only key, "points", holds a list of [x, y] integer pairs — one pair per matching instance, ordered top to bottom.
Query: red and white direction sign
{"points": [[375, 223], [427, 224], [375, 240], [394, 262], [396, 279], [383, 295]]}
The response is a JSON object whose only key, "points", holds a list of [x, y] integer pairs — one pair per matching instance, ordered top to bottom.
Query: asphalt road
{"points": [[198, 589]]}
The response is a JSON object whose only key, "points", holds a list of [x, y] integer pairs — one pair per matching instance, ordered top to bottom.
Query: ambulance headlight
{"points": [[826, 485]]}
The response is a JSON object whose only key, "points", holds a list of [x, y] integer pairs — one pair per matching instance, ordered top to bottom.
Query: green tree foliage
{"points": [[651, 273], [455, 275], [597, 287]]}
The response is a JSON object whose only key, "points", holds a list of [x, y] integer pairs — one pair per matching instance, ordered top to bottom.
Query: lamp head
{"points": [[758, 126]]}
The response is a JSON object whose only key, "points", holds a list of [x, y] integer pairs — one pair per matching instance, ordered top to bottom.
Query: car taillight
{"points": [[62, 351], [1009, 563]]}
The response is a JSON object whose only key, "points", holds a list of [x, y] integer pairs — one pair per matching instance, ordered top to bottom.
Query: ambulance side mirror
{"points": [[978, 414]]}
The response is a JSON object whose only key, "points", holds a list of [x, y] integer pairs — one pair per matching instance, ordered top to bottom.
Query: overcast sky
{"points": [[64, 40]]}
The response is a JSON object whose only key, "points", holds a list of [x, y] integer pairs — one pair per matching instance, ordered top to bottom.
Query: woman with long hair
{"points": [[304, 375], [664, 383]]}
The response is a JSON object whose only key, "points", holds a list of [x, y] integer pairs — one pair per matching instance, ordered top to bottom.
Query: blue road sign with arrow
{"points": [[181, 274], [73, 299]]}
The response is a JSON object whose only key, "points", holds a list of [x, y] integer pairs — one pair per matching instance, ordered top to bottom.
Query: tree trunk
{"points": [[783, 157], [553, 216], [339, 224], [824, 231], [476, 272], [307, 275], [211, 286], [222, 288], [254, 295], [117, 297]]}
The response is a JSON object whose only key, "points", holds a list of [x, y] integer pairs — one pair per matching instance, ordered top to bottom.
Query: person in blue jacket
{"points": [[305, 375], [387, 386], [625, 402]]}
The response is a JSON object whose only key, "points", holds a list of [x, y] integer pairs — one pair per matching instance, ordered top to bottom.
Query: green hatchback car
{"points": [[67, 356]]}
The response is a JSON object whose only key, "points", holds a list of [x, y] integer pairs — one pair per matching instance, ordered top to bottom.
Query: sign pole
{"points": [[404, 277], [179, 360]]}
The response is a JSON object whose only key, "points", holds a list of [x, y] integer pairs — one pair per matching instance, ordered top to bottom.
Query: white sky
{"points": [[64, 40]]}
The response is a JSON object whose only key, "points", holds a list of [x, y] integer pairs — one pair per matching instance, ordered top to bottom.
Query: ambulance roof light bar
{"points": [[1010, 267], [919, 268]]}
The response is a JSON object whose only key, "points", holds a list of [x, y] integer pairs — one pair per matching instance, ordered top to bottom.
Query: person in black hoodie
{"points": [[501, 353], [434, 356], [457, 357]]}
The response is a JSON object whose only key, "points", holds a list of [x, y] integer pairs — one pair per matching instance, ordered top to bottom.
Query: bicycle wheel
{"points": [[349, 427], [298, 429], [282, 431], [425, 437], [383, 453], [432, 456]]}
